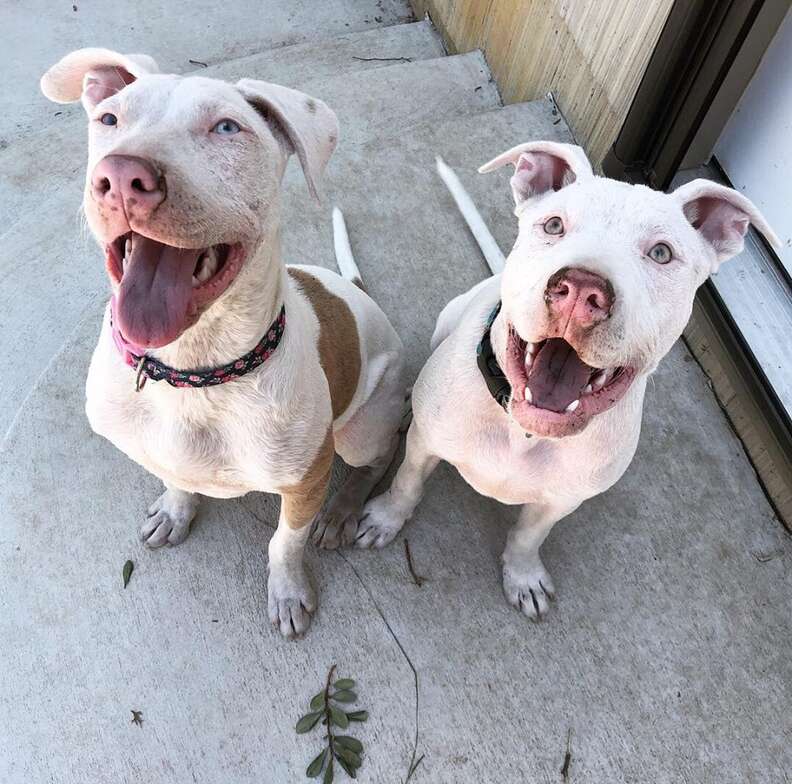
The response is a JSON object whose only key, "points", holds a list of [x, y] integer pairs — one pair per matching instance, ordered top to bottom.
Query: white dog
{"points": [[182, 193], [536, 384]]}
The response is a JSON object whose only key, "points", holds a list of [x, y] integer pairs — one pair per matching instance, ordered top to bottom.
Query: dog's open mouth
{"points": [[162, 289], [554, 392]]}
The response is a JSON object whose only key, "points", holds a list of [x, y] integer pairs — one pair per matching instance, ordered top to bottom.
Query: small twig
{"points": [[384, 59], [198, 62], [417, 579], [327, 709], [137, 718], [327, 719], [567, 758]]}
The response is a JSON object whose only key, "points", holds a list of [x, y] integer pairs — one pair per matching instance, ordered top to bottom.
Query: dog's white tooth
{"points": [[127, 248], [210, 262], [206, 267], [532, 348], [528, 361], [600, 379], [587, 390], [528, 395], [572, 406]]}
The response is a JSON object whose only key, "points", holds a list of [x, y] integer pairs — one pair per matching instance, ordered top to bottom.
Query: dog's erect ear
{"points": [[93, 75], [309, 125], [540, 167], [722, 216]]}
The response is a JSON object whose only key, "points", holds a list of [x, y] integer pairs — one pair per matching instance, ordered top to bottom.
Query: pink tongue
{"points": [[155, 292], [557, 376]]}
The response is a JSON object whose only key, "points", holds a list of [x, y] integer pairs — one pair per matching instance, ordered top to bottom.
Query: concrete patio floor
{"points": [[665, 659]]}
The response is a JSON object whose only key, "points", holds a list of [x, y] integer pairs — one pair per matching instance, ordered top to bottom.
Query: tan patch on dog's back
{"points": [[339, 345]]}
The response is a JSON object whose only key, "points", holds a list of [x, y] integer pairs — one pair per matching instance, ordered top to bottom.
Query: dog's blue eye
{"points": [[108, 119], [226, 127], [554, 226], [661, 253]]}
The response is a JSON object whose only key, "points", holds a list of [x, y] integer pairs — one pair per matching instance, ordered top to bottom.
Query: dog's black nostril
{"points": [[137, 185], [103, 186], [562, 290]]}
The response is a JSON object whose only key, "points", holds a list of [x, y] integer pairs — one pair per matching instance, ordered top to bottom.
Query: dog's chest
{"points": [[220, 449], [496, 458], [512, 472]]}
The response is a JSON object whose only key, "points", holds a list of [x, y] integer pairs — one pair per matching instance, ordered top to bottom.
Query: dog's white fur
{"points": [[610, 227], [263, 431]]}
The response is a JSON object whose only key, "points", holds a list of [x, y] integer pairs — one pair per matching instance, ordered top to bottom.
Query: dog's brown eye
{"points": [[108, 119], [554, 225], [661, 253]]}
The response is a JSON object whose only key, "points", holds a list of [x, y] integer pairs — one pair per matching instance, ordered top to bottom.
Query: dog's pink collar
{"points": [[148, 367]]}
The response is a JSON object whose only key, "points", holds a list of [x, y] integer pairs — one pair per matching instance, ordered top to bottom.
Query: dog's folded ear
{"points": [[91, 75], [309, 125], [540, 167], [721, 215]]}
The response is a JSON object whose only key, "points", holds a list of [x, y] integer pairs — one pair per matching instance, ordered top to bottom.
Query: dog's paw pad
{"points": [[530, 590]]}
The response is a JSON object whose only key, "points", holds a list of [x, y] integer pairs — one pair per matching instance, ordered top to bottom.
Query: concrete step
{"points": [[38, 32], [296, 63], [50, 265], [71, 505]]}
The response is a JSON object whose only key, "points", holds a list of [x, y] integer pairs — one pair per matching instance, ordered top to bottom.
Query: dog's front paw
{"points": [[169, 519], [380, 522], [529, 589], [290, 600]]}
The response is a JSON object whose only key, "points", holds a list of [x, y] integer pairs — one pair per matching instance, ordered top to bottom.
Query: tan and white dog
{"points": [[182, 194], [597, 288]]}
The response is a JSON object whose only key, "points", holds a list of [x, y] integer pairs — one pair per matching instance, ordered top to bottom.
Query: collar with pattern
{"points": [[150, 368]]}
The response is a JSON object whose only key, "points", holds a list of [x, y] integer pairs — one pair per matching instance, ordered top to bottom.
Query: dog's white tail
{"points": [[343, 250], [492, 253]]}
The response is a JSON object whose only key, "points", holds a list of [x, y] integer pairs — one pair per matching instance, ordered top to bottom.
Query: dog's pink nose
{"points": [[125, 179], [579, 296]]}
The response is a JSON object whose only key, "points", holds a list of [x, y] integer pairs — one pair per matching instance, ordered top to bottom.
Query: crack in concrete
{"points": [[413, 764]]}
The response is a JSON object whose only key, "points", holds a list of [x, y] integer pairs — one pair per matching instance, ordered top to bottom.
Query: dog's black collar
{"points": [[497, 383]]}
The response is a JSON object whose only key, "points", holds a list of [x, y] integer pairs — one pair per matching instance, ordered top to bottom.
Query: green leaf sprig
{"points": [[342, 749]]}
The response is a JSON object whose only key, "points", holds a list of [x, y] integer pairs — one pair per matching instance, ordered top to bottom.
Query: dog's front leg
{"points": [[384, 516], [169, 517], [526, 583], [291, 598]]}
